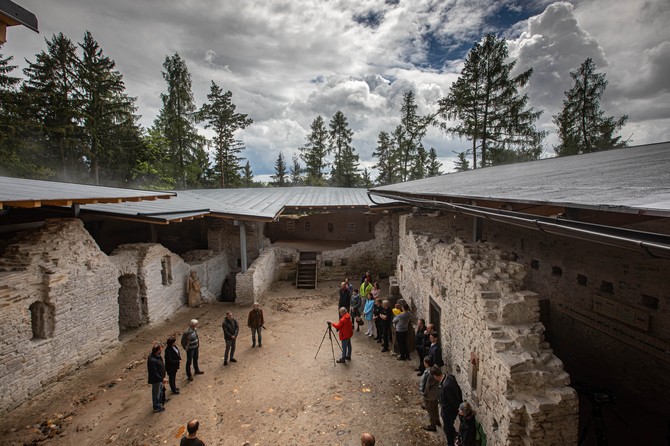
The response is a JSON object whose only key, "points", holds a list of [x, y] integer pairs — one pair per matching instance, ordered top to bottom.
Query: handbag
{"points": [[360, 321]]}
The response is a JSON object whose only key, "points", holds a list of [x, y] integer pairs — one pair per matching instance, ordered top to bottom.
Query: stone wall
{"points": [[353, 226], [224, 236], [377, 255], [212, 269], [265, 270], [161, 274], [58, 294], [607, 314], [491, 334]]}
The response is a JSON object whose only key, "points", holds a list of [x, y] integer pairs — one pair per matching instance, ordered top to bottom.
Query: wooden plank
{"points": [[57, 203], [24, 204]]}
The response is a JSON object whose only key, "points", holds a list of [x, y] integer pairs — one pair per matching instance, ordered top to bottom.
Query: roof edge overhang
{"points": [[13, 14], [650, 244]]}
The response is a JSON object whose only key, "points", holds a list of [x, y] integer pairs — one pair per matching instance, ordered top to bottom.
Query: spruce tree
{"points": [[53, 105], [489, 109], [219, 115], [176, 122], [582, 126], [109, 128], [408, 139], [314, 153], [385, 159], [462, 164], [345, 165], [433, 165], [418, 167], [153, 168], [296, 172], [247, 175], [279, 178], [366, 180]]}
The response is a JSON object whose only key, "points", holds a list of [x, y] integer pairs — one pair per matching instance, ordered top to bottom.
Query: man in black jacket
{"points": [[344, 300], [386, 315], [230, 332], [435, 351], [172, 361], [156, 371], [450, 397]]}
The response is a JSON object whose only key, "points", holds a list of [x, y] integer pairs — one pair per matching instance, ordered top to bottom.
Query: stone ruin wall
{"points": [[223, 236], [377, 255], [61, 268], [212, 269], [264, 271], [162, 276], [591, 323], [519, 387]]}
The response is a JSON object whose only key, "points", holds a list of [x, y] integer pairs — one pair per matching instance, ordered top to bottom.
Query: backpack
{"points": [[184, 340]]}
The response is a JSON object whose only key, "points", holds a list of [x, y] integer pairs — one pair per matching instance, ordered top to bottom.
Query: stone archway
{"points": [[132, 304]]}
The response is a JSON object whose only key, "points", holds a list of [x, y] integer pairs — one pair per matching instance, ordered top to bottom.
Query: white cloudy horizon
{"points": [[288, 61]]}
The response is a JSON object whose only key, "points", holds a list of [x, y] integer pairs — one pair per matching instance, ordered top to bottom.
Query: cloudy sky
{"points": [[287, 61]]}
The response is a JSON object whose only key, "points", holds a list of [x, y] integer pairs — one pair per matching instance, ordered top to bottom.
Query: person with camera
{"points": [[346, 329]]}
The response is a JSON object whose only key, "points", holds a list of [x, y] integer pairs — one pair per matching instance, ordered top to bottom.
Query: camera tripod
{"points": [[331, 335]]}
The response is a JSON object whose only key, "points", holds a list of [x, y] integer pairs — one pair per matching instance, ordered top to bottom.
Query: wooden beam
{"points": [[57, 203], [24, 204]]}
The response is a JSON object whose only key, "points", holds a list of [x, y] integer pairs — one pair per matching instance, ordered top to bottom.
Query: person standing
{"points": [[366, 287], [376, 291], [345, 297], [356, 308], [376, 311], [367, 312], [386, 316], [256, 322], [401, 324], [346, 330], [230, 331], [419, 338], [191, 343], [435, 351], [172, 361], [156, 377], [429, 389], [450, 397], [467, 429], [191, 438]]}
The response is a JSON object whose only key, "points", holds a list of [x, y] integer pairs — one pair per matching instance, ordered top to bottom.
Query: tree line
{"points": [[71, 119]]}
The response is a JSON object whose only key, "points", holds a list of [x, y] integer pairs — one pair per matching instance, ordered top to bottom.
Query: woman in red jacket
{"points": [[346, 329]]}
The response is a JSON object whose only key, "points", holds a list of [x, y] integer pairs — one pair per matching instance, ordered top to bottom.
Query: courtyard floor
{"points": [[276, 395]]}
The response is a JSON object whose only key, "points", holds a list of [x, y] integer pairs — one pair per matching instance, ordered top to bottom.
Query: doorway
{"points": [[132, 303], [434, 314]]}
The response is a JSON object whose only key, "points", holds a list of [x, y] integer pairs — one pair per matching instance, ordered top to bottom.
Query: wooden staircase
{"points": [[305, 277]]}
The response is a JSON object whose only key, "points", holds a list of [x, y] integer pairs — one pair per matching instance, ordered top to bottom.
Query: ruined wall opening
{"points": [[166, 270], [228, 289], [132, 304], [434, 314], [42, 320]]}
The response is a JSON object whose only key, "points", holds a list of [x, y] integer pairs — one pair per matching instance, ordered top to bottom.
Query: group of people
{"points": [[158, 368], [442, 397]]}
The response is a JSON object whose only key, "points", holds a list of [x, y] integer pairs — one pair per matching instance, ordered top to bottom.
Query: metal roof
{"points": [[13, 14], [632, 180], [18, 192], [247, 204]]}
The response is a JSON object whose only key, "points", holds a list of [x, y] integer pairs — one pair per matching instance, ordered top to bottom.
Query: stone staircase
{"points": [[306, 276]]}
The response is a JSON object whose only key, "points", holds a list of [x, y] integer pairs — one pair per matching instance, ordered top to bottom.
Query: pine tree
{"points": [[51, 87], [489, 109], [219, 115], [176, 122], [109, 126], [582, 128], [408, 138], [314, 153], [385, 159], [462, 164], [433, 165], [345, 166], [153, 168], [418, 168], [296, 172], [279, 178], [366, 180]]}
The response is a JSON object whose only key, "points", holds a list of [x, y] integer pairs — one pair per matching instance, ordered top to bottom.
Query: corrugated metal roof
{"points": [[632, 179], [19, 192], [249, 203]]}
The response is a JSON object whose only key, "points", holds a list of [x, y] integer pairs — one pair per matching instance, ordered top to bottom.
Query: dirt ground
{"points": [[276, 395]]}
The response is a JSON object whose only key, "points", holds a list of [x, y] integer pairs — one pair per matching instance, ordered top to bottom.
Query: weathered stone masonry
{"points": [[58, 294], [492, 338]]}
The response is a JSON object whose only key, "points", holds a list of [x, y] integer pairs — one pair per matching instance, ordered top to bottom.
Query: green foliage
{"points": [[489, 109], [219, 115], [176, 122], [582, 126], [109, 132], [407, 140], [314, 153], [386, 162], [462, 164], [433, 165], [345, 166], [418, 168], [153, 169], [296, 172], [247, 175], [280, 176], [366, 180]]}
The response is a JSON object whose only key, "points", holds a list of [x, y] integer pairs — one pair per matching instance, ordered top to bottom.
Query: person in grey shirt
{"points": [[401, 323]]}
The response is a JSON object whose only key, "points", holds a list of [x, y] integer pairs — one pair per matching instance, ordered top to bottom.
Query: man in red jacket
{"points": [[346, 329]]}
